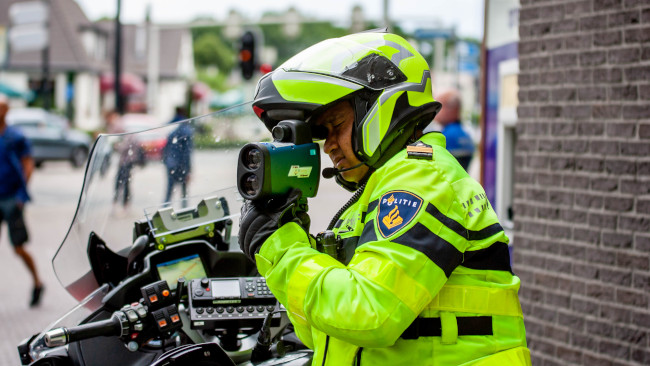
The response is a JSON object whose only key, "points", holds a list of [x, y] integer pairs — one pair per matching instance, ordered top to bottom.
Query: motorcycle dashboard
{"points": [[189, 260], [189, 267]]}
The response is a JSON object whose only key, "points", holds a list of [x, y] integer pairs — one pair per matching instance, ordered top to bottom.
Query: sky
{"points": [[465, 15]]}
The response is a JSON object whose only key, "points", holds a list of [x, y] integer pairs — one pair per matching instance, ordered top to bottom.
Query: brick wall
{"points": [[582, 181]]}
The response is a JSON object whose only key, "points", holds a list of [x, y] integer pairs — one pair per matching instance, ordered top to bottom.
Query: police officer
{"points": [[423, 274]]}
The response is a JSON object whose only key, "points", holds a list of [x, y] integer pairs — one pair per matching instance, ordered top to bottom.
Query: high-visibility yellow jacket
{"points": [[426, 279]]}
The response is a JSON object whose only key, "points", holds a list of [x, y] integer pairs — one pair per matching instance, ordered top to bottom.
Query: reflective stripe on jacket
{"points": [[422, 241]]}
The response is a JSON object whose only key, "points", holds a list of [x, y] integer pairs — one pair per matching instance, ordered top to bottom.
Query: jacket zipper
{"points": [[327, 343]]}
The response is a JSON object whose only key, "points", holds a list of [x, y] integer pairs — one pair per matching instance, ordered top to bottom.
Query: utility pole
{"points": [[385, 15], [117, 82]]}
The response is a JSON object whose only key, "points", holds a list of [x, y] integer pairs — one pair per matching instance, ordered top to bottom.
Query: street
{"points": [[55, 192]]}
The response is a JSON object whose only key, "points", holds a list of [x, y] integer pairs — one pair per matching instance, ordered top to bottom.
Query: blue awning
{"points": [[12, 92]]}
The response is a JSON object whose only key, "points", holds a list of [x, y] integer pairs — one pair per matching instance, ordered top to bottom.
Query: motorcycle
{"points": [[164, 283]]}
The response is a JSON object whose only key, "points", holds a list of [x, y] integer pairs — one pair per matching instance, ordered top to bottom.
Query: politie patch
{"points": [[396, 210]]}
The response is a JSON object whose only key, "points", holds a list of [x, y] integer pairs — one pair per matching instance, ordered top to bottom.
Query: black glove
{"points": [[261, 219]]}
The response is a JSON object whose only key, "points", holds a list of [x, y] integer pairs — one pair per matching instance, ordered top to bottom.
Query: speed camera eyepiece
{"points": [[253, 159], [251, 184]]}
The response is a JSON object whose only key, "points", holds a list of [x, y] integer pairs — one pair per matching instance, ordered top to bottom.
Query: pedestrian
{"points": [[459, 142], [129, 153], [177, 156], [16, 167], [422, 275]]}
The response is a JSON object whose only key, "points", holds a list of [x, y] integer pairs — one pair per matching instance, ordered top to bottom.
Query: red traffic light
{"points": [[245, 55]]}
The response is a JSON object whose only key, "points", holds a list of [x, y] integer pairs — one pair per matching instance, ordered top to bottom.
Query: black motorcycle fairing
{"points": [[107, 266], [204, 354]]}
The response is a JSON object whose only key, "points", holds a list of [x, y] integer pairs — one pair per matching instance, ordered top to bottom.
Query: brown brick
{"points": [[607, 5], [623, 18], [593, 22], [637, 35], [609, 38], [578, 42], [624, 56], [593, 58], [565, 60], [636, 73], [608, 75], [628, 92], [592, 94], [606, 111], [636, 111], [621, 129], [644, 131], [575, 146], [608, 148], [635, 149], [564, 163], [589, 164], [620, 167], [604, 184], [635, 187], [588, 200], [618, 204], [643, 206], [574, 216], [603, 221], [635, 223], [617, 240], [633, 261], [588, 271], [616, 277], [641, 281], [634, 298], [586, 306], [615, 313], [603, 329], [584, 341], [614, 349], [570, 355], [640, 355]]}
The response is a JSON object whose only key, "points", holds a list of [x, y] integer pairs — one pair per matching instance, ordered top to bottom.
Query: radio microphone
{"points": [[332, 172]]}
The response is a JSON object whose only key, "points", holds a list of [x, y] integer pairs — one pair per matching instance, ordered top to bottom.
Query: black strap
{"points": [[430, 327]]}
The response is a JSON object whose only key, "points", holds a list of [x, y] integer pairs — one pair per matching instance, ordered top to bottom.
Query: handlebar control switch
{"points": [[157, 295], [167, 318]]}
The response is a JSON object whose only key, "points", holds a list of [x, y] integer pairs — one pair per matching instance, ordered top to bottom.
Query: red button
{"points": [[165, 293], [153, 298], [175, 318], [162, 323]]}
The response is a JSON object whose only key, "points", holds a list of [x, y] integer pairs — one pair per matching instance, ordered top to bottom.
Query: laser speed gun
{"points": [[270, 169]]}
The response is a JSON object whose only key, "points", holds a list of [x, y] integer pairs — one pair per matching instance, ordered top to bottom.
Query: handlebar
{"points": [[61, 336]]}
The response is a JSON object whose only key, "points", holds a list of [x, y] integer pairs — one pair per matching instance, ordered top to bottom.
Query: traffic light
{"points": [[247, 55]]}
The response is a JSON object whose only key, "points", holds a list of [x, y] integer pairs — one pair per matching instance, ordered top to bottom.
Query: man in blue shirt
{"points": [[459, 143], [16, 166]]}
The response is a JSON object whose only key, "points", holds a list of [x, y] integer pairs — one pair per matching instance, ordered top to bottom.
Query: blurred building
{"points": [[81, 56], [568, 134]]}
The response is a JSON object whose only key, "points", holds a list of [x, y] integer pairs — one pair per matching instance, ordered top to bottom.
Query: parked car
{"points": [[51, 136], [152, 142]]}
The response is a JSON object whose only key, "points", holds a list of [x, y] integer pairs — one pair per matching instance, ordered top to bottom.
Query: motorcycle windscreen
{"points": [[141, 175]]}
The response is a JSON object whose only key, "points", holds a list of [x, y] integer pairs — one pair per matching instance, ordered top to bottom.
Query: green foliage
{"points": [[311, 34], [211, 50], [215, 80]]}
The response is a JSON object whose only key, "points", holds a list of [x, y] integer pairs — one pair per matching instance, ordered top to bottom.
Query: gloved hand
{"points": [[259, 220]]}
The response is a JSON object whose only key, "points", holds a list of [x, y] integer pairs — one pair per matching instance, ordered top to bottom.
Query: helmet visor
{"points": [[363, 63]]}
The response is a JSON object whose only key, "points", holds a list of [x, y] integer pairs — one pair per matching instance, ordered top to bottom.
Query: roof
{"points": [[66, 49], [67, 52], [169, 53]]}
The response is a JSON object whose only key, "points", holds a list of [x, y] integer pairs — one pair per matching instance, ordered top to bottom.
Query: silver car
{"points": [[51, 136]]}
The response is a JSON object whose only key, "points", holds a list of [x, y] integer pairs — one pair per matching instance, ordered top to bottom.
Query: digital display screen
{"points": [[189, 267], [225, 289]]}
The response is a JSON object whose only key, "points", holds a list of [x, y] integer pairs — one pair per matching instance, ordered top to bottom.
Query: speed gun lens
{"points": [[254, 159], [251, 185]]}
